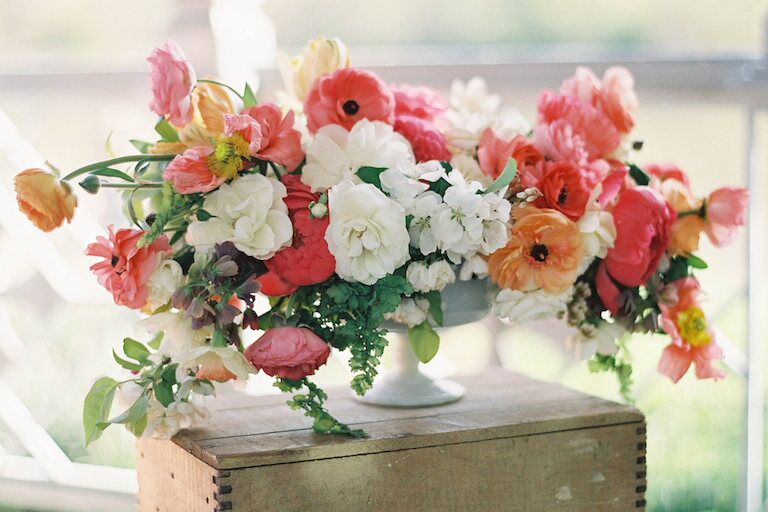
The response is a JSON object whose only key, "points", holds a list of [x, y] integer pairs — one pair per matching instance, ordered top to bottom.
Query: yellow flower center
{"points": [[227, 158], [693, 326]]}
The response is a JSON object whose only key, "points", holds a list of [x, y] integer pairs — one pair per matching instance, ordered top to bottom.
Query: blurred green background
{"points": [[695, 428]]}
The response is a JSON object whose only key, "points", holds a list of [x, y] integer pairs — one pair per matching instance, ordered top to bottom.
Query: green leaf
{"points": [[249, 97], [166, 131], [108, 145], [142, 145], [112, 173], [371, 175], [640, 176], [505, 178], [440, 186], [203, 215], [696, 262], [678, 269], [435, 306], [425, 341], [155, 342], [135, 350], [134, 367], [169, 374], [164, 393], [98, 403], [132, 415], [137, 427]]}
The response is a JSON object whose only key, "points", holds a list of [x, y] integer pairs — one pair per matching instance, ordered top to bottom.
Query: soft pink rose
{"points": [[173, 80], [346, 96], [418, 101], [270, 136], [427, 141], [189, 172], [726, 213], [643, 219], [126, 268], [288, 352]]}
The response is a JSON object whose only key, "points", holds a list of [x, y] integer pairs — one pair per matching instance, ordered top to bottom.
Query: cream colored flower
{"points": [[321, 56], [426, 278], [166, 279], [519, 307], [410, 312], [180, 338], [601, 340], [218, 363]]}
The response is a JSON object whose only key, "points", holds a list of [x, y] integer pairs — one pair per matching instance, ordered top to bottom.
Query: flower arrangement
{"points": [[355, 201]]}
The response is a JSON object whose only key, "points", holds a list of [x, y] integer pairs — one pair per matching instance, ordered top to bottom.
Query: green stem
{"points": [[208, 81], [114, 161], [132, 185]]}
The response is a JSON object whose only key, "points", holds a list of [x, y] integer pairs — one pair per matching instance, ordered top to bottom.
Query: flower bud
{"points": [[318, 210]]}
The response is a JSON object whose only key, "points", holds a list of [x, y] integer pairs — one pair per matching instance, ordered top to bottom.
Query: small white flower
{"points": [[473, 97], [335, 154], [400, 186], [249, 212], [458, 227], [421, 230], [367, 233], [474, 266], [426, 278], [165, 279], [518, 307], [410, 312], [180, 338], [601, 340], [164, 422]]}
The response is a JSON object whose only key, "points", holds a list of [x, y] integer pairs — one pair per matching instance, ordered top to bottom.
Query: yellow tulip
{"points": [[321, 56]]}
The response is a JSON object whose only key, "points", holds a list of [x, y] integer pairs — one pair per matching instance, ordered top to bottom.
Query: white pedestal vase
{"points": [[404, 385]]}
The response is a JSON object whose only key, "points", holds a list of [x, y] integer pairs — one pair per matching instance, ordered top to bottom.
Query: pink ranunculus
{"points": [[173, 80], [346, 96], [418, 101], [570, 129], [270, 136], [427, 141], [667, 171], [189, 172], [565, 189], [726, 212], [643, 219], [126, 267], [288, 352]]}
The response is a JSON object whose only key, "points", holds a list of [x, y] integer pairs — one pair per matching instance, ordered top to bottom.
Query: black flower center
{"points": [[351, 107], [562, 197], [539, 252], [115, 260]]}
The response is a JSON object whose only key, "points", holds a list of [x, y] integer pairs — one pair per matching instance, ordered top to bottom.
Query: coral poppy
{"points": [[565, 189]]}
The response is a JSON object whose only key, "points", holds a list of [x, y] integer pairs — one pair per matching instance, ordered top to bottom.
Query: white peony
{"points": [[335, 154], [249, 212], [367, 233], [426, 278], [165, 279], [518, 307], [410, 312], [180, 338], [601, 340], [164, 422]]}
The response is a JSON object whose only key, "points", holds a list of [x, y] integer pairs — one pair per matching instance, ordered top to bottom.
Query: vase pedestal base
{"points": [[398, 389]]}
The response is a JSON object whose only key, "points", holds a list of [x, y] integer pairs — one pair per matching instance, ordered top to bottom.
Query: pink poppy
{"points": [[173, 80], [346, 96], [418, 101], [270, 136], [427, 141], [189, 172], [726, 212], [126, 267]]}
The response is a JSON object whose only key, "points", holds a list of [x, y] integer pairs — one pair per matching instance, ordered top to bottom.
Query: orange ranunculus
{"points": [[44, 199], [685, 231], [544, 251]]}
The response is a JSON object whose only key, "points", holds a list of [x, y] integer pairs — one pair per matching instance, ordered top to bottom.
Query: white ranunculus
{"points": [[335, 154], [249, 212], [421, 230], [367, 233], [474, 266], [426, 278], [165, 279], [519, 307], [410, 312], [180, 338], [601, 340]]}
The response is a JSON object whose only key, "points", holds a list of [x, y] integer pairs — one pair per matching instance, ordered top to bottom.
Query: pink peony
{"points": [[173, 80], [614, 95], [346, 96], [418, 101], [270, 136], [427, 141], [189, 172], [726, 212], [643, 219], [126, 267], [288, 352]]}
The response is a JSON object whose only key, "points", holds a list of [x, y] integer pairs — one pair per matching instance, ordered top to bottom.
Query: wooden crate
{"points": [[512, 444]]}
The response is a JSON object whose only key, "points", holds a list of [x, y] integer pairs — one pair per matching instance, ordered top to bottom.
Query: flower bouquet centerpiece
{"points": [[263, 235]]}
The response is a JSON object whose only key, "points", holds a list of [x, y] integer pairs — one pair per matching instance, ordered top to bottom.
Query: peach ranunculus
{"points": [[173, 80], [614, 95], [347, 96], [270, 136], [189, 172], [46, 201], [726, 212], [685, 231], [544, 251], [126, 267], [692, 337], [288, 352]]}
